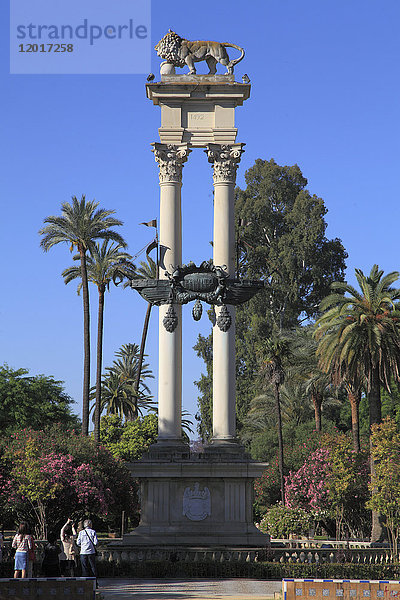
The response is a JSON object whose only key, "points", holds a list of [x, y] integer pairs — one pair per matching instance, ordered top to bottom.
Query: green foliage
{"points": [[79, 226], [281, 233], [282, 240], [359, 334], [203, 348], [118, 394], [35, 401], [391, 404], [128, 440], [299, 442], [47, 476], [332, 484], [347, 484], [385, 484], [281, 521], [158, 569]]}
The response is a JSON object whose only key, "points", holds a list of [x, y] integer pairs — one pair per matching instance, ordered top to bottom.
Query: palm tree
{"points": [[80, 224], [101, 265], [147, 270], [359, 339], [273, 353], [305, 369], [118, 394], [261, 417]]}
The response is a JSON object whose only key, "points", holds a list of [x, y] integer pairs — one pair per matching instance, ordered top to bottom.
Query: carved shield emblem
{"points": [[196, 503]]}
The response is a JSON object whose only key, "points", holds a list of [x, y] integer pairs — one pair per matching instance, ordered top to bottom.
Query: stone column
{"points": [[170, 159], [225, 160]]}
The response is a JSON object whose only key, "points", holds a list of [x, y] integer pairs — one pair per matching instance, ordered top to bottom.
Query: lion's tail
{"points": [[235, 60]]}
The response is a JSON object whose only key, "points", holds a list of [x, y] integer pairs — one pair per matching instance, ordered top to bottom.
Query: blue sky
{"points": [[325, 95]]}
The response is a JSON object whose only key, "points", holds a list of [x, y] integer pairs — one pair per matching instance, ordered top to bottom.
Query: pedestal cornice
{"points": [[195, 87], [198, 109]]}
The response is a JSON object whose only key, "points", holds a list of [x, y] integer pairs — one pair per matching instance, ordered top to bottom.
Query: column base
{"points": [[168, 449], [224, 449]]}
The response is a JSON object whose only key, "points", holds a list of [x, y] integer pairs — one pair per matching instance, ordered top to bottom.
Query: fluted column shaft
{"points": [[170, 159], [225, 160]]}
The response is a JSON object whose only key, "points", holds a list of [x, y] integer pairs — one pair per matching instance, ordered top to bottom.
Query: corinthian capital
{"points": [[170, 159], [225, 160]]}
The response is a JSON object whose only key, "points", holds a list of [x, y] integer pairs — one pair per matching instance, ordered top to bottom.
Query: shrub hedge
{"points": [[254, 570]]}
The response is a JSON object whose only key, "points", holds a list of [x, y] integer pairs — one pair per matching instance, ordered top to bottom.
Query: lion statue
{"points": [[178, 51]]}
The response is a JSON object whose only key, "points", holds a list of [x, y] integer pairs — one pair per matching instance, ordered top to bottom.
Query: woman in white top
{"points": [[22, 542], [67, 559]]}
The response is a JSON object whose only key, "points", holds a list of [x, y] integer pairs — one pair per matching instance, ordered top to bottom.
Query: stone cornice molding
{"points": [[170, 159], [225, 160]]}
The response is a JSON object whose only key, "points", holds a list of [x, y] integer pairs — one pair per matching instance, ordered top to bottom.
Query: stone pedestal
{"points": [[198, 109], [196, 502]]}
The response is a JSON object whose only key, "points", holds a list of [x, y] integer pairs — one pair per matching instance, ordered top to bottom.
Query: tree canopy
{"points": [[281, 239], [33, 401]]}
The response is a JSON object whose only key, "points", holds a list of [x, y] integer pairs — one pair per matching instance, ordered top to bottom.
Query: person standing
{"points": [[68, 537], [1, 541], [87, 541], [22, 542], [31, 553], [51, 562]]}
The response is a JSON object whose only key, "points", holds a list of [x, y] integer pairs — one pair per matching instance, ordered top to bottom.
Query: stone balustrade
{"points": [[308, 551], [282, 555]]}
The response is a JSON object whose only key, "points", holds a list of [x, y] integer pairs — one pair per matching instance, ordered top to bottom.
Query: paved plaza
{"points": [[198, 589]]}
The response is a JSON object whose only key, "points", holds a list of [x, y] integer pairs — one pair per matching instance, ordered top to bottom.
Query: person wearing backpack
{"points": [[87, 542]]}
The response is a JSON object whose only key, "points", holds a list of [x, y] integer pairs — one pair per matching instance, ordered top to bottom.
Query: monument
{"points": [[205, 499]]}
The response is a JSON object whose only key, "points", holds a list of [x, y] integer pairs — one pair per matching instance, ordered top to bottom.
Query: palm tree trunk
{"points": [[86, 344], [142, 346], [316, 398], [354, 399], [374, 400], [97, 408], [280, 441]]}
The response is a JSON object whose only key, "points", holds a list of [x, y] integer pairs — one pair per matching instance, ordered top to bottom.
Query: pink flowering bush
{"points": [[47, 477], [332, 483], [307, 488]]}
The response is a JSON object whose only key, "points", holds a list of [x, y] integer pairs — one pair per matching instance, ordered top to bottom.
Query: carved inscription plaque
{"points": [[198, 118]]}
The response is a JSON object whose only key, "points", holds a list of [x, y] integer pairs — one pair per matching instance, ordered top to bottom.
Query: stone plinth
{"points": [[198, 109], [198, 501]]}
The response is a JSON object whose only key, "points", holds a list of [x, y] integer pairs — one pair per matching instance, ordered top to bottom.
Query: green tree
{"points": [[80, 224], [281, 237], [101, 264], [359, 336], [273, 354], [305, 369], [118, 396], [33, 401], [129, 440], [51, 474], [346, 482], [385, 484]]}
